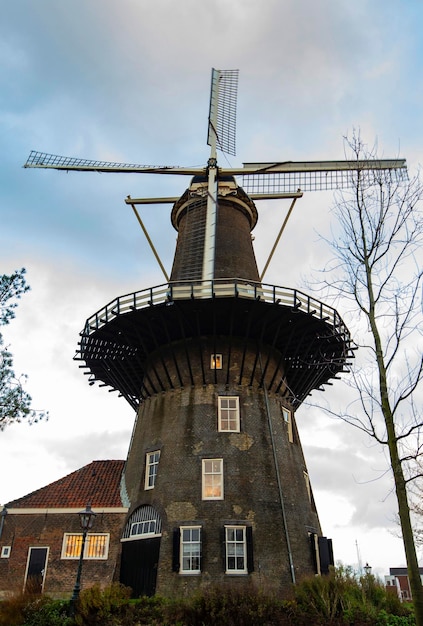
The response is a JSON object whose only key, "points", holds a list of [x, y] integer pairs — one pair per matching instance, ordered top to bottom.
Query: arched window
{"points": [[144, 522]]}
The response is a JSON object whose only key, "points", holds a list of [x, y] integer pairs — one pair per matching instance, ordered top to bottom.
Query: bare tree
{"points": [[377, 242], [15, 402], [416, 505]]}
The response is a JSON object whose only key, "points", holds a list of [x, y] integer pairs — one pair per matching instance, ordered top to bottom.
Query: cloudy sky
{"points": [[128, 81]]}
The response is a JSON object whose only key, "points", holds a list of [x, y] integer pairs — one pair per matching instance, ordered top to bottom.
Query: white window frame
{"points": [[216, 362], [228, 413], [287, 416], [151, 469], [212, 479], [307, 483], [147, 527], [67, 537], [235, 548], [190, 550], [5, 552]]}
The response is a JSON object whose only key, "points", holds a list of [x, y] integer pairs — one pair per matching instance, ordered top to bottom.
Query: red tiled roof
{"points": [[97, 483]]}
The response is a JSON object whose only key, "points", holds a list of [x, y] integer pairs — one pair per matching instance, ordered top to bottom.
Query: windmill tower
{"points": [[215, 362]]}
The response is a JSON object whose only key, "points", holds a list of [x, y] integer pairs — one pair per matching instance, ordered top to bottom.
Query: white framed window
{"points": [[216, 362], [228, 414], [287, 416], [151, 468], [212, 479], [307, 482], [143, 523], [144, 527], [96, 546], [190, 550], [235, 550], [5, 552]]}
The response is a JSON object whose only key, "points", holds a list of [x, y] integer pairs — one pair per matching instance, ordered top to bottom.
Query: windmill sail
{"points": [[222, 111], [210, 184]]}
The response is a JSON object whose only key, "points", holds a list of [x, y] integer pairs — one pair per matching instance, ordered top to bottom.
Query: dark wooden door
{"points": [[37, 558], [138, 568]]}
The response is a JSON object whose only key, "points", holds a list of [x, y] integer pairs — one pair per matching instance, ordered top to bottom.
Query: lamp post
{"points": [[2, 518], [86, 519], [367, 569]]}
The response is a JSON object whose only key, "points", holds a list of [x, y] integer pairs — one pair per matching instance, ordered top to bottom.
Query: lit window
{"points": [[216, 362], [228, 414], [288, 421], [151, 468], [212, 479], [145, 527], [96, 546], [236, 550], [5, 552], [190, 556]]}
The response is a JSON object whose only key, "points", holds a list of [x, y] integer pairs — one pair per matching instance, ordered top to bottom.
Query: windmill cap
{"points": [[227, 190]]}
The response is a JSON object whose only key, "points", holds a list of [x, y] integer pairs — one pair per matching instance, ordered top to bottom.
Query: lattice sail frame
{"points": [[222, 110], [254, 178], [259, 180], [288, 182]]}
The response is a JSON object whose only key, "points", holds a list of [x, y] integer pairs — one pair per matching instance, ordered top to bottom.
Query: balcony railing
{"points": [[218, 288]]}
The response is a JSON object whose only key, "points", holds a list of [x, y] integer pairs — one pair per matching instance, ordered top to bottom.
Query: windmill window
{"points": [[216, 362], [228, 414], [287, 416], [151, 468], [212, 480], [307, 482], [144, 523], [145, 527], [96, 546], [190, 550], [235, 550]]}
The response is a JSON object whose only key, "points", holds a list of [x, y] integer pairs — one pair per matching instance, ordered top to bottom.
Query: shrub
{"points": [[343, 598], [339, 599], [98, 606], [235, 606], [13, 607], [146, 611], [48, 613]]}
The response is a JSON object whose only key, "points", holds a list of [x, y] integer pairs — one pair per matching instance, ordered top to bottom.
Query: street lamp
{"points": [[86, 519], [368, 569]]}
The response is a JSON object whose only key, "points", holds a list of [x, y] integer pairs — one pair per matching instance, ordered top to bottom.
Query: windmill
{"points": [[215, 362]]}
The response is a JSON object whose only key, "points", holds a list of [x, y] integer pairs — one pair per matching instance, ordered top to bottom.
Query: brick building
{"points": [[40, 534], [397, 582]]}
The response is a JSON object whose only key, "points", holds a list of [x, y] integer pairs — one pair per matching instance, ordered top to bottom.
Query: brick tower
{"points": [[215, 477]]}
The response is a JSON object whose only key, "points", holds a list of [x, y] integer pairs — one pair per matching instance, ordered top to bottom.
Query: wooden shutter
{"points": [[223, 544], [326, 554], [250, 555], [176, 561]]}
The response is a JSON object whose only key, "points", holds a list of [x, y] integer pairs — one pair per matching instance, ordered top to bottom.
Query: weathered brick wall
{"points": [[182, 424], [41, 529]]}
